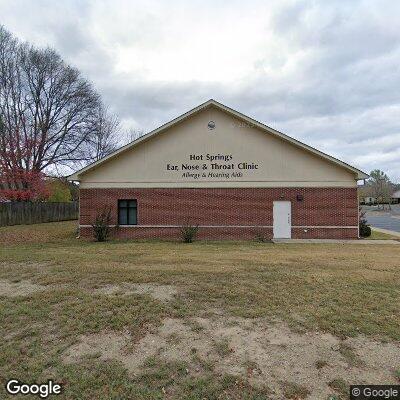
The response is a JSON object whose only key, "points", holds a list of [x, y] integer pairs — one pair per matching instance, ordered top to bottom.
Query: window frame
{"points": [[127, 211]]}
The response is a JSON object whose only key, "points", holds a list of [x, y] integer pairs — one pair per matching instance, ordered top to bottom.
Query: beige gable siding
{"points": [[253, 158]]}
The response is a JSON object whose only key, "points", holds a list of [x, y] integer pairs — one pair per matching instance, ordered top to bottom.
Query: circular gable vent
{"points": [[211, 125]]}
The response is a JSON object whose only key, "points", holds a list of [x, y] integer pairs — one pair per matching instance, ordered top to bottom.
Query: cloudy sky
{"points": [[326, 73]]}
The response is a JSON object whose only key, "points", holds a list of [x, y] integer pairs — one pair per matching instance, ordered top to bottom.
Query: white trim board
{"points": [[220, 184], [224, 226]]}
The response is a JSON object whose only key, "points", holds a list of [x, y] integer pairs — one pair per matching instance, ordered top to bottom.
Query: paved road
{"points": [[385, 220]]}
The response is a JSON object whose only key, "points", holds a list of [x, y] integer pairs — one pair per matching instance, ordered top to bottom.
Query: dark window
{"points": [[127, 212]]}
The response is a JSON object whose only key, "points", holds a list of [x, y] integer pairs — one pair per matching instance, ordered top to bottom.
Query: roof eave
{"points": [[361, 175], [74, 177]]}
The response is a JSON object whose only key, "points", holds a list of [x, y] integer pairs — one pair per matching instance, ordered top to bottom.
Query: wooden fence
{"points": [[18, 213]]}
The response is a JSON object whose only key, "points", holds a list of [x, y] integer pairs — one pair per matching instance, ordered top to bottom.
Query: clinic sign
{"points": [[212, 166]]}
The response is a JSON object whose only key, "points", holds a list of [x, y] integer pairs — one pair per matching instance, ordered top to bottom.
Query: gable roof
{"points": [[76, 176]]}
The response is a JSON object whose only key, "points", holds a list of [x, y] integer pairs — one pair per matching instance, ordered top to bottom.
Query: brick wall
{"points": [[236, 211]]}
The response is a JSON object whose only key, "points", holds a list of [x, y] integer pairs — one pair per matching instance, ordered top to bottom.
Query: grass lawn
{"points": [[375, 235], [208, 320]]}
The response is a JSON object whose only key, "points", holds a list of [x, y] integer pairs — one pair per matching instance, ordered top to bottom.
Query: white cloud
{"points": [[324, 72]]}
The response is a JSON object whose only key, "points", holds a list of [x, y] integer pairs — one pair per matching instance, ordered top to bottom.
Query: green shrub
{"points": [[101, 225], [365, 229], [189, 233]]}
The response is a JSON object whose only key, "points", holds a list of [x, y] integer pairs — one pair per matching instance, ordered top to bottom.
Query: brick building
{"points": [[232, 176]]}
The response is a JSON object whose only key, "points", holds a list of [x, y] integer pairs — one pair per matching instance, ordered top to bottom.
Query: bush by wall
{"points": [[101, 225], [365, 229], [189, 233]]}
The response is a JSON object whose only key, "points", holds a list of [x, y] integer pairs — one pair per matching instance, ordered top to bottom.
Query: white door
{"points": [[282, 220]]}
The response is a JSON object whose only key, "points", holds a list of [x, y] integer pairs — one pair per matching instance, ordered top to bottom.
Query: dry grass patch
{"points": [[21, 288], [158, 292], [262, 354], [340, 386], [292, 390]]}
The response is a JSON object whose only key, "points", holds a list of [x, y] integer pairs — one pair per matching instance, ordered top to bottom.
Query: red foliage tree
{"points": [[19, 181]]}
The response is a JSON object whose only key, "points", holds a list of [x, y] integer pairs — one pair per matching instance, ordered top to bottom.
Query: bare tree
{"points": [[48, 102], [106, 133], [132, 134], [380, 186]]}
